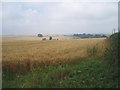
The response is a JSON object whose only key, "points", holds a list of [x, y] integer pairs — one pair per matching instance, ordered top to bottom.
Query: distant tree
{"points": [[40, 35], [104, 36], [50, 38]]}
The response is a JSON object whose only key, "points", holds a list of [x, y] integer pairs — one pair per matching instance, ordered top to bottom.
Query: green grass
{"points": [[80, 74]]}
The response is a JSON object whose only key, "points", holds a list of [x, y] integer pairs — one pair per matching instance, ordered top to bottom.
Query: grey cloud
{"points": [[59, 17]]}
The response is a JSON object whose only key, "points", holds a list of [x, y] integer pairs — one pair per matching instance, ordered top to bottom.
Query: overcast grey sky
{"points": [[58, 17]]}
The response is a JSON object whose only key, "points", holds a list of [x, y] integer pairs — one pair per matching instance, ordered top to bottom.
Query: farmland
{"points": [[28, 54], [55, 63]]}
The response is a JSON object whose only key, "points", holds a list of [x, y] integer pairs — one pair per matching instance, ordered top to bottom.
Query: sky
{"points": [[30, 17]]}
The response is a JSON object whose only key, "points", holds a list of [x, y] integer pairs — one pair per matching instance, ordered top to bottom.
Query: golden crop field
{"points": [[23, 55]]}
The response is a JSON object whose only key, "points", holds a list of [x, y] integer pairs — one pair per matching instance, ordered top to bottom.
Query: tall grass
{"points": [[82, 74]]}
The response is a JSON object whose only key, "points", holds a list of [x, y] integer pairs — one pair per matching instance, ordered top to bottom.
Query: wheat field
{"points": [[23, 55]]}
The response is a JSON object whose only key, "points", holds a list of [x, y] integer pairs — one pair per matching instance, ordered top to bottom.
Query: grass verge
{"points": [[82, 74]]}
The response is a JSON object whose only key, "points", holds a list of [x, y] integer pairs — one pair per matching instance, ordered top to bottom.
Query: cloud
{"points": [[60, 0], [59, 17], [0, 18]]}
